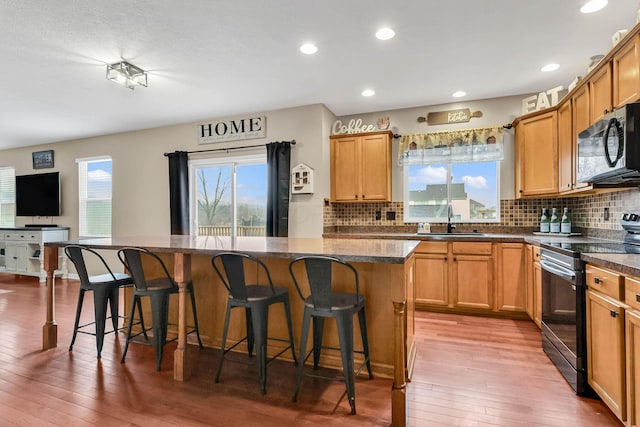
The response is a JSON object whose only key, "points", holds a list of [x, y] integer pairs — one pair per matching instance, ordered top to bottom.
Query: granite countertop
{"points": [[385, 251], [623, 263]]}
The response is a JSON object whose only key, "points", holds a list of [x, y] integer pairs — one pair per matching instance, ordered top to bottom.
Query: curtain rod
{"points": [[293, 142]]}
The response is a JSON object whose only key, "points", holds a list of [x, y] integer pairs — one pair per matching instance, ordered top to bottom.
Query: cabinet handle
{"points": [[569, 185], [520, 191], [356, 196], [363, 197], [537, 255], [445, 258], [455, 259], [597, 280], [637, 297], [613, 313]]}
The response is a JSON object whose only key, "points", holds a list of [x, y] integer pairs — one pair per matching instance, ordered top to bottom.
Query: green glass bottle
{"points": [[544, 221], [565, 222], [554, 223]]}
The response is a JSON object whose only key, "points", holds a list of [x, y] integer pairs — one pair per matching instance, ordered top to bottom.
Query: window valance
{"points": [[455, 146]]}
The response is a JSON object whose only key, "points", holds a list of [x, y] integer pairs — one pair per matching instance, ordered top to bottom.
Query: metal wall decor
{"points": [[462, 115]]}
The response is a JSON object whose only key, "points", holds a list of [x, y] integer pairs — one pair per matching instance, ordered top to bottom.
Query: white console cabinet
{"points": [[22, 250]]}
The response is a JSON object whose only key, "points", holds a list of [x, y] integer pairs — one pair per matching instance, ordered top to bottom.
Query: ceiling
{"points": [[212, 58]]}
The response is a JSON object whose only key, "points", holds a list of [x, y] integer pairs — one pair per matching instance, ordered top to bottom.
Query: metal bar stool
{"points": [[105, 287], [158, 289], [255, 299], [321, 302]]}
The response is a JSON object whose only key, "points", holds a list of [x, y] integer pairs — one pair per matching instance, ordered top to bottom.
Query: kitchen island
{"points": [[385, 269]]}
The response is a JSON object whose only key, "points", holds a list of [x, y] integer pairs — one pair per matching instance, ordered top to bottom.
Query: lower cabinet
{"points": [[478, 277], [533, 280], [632, 347]]}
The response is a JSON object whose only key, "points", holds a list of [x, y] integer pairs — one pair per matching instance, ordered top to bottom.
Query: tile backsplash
{"points": [[587, 213]]}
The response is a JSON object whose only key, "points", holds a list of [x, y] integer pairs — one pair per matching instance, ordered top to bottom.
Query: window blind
{"points": [[7, 197], [94, 197]]}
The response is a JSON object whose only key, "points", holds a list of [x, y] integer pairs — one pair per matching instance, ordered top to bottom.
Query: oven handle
{"points": [[565, 273]]}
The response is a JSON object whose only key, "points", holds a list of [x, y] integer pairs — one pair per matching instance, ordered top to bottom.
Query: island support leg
{"points": [[182, 275], [50, 327], [399, 388]]}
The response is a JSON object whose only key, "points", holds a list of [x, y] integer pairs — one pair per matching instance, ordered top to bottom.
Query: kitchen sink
{"points": [[451, 234]]}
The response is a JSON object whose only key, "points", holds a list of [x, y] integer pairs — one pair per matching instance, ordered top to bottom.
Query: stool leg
{"points": [[100, 301], [136, 301], [114, 304], [287, 313], [159, 314], [195, 316], [260, 316], [362, 318], [306, 319], [77, 322], [318, 330], [345, 334], [250, 335], [224, 340]]}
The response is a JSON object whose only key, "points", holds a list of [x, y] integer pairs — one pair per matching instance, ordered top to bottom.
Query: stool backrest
{"points": [[77, 255], [134, 259], [231, 266], [319, 274]]}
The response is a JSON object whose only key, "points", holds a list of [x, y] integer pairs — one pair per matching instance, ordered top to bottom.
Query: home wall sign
{"points": [[542, 100], [462, 115], [354, 126], [233, 130]]}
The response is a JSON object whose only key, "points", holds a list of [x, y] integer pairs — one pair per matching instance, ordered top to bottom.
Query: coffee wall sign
{"points": [[542, 100], [354, 126], [233, 130]]}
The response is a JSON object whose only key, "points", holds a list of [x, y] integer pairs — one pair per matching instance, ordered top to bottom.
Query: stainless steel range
{"points": [[563, 299]]}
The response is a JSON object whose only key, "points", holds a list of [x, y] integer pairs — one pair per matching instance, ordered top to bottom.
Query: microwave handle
{"points": [[620, 132]]}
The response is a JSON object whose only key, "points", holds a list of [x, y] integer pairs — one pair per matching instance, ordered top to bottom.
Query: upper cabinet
{"points": [[626, 73], [601, 93], [536, 155], [361, 167], [566, 167]]}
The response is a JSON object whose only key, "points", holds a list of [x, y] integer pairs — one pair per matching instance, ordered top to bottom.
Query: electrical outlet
{"points": [[378, 215], [391, 216]]}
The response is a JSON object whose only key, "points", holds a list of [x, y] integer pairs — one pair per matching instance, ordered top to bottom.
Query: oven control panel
{"points": [[630, 221]]}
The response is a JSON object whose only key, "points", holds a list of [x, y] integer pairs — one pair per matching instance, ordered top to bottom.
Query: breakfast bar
{"points": [[385, 269]]}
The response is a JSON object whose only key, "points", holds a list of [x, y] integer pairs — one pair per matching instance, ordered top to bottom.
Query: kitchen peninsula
{"points": [[385, 269]]}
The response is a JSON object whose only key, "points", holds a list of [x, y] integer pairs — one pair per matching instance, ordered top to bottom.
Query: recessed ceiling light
{"points": [[593, 6], [385, 33], [308, 48], [549, 67], [368, 92], [459, 94]]}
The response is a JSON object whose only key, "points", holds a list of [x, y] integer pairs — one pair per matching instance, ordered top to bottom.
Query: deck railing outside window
{"points": [[224, 230]]}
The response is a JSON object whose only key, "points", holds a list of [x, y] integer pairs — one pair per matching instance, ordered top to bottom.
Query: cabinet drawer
{"points": [[25, 236], [432, 248], [480, 248], [606, 281], [632, 292]]}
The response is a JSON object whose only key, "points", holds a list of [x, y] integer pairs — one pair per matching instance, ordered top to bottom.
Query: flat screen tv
{"points": [[38, 194]]}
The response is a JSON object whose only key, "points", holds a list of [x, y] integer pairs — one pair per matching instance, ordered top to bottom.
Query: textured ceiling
{"points": [[210, 58]]}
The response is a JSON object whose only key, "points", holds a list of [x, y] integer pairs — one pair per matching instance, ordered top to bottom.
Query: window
{"points": [[472, 190], [229, 196], [7, 197], [94, 197]]}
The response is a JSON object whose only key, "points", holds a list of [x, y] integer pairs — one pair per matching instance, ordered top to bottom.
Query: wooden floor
{"points": [[470, 371]]}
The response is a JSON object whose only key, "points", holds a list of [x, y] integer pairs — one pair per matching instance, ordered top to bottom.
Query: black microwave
{"points": [[609, 149]]}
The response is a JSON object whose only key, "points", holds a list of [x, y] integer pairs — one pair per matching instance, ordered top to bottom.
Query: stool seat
{"points": [[256, 300], [337, 302]]}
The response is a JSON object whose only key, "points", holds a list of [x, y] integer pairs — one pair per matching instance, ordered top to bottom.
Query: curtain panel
{"points": [[456, 146], [278, 181], [179, 192]]}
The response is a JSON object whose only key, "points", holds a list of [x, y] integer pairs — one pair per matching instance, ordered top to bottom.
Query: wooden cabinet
{"points": [[626, 73], [601, 92], [581, 115], [536, 155], [566, 158], [361, 167], [472, 275], [462, 277], [533, 284], [511, 290], [606, 337]]}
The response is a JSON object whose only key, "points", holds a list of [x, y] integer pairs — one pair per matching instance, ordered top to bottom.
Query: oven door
{"points": [[560, 309]]}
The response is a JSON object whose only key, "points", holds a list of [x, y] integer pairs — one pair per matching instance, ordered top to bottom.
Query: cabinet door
{"points": [[626, 73], [600, 92], [581, 120], [565, 148], [375, 155], [537, 155], [345, 170], [16, 257], [432, 279], [529, 279], [472, 281], [511, 285], [537, 286], [632, 333], [605, 351]]}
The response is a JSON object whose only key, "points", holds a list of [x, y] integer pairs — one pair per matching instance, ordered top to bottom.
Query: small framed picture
{"points": [[42, 159]]}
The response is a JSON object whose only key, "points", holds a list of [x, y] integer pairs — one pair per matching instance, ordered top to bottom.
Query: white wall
{"points": [[495, 112], [141, 176]]}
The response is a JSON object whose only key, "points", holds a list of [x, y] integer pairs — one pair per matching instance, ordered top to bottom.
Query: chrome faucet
{"points": [[450, 227]]}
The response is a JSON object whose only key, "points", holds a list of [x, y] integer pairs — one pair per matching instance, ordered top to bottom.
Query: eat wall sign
{"points": [[542, 100]]}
